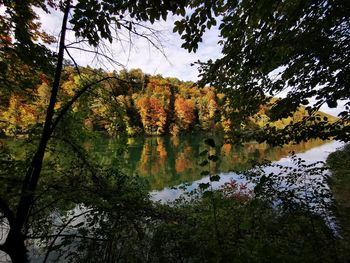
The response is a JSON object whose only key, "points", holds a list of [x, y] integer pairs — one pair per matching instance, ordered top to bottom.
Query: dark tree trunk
{"points": [[33, 173], [14, 245]]}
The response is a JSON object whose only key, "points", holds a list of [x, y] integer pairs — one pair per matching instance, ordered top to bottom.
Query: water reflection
{"points": [[311, 155], [170, 161]]}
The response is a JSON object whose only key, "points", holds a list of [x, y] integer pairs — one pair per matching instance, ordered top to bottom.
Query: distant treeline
{"points": [[131, 102]]}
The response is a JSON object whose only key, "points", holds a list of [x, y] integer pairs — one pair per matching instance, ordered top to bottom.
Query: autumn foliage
{"points": [[132, 103]]}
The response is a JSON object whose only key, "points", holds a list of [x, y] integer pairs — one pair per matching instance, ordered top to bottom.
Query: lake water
{"points": [[310, 155], [167, 162]]}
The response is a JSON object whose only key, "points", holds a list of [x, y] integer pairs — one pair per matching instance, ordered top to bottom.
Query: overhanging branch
{"points": [[74, 99], [7, 212]]}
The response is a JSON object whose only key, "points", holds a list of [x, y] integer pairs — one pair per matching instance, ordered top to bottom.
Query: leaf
{"points": [[332, 103], [210, 142], [203, 153], [213, 158], [204, 163], [205, 173], [215, 178], [203, 186], [207, 194], [245, 226]]}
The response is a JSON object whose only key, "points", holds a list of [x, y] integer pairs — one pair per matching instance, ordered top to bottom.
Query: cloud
{"points": [[170, 60]]}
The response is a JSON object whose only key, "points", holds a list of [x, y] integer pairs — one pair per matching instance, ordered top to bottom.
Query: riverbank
{"points": [[339, 164]]}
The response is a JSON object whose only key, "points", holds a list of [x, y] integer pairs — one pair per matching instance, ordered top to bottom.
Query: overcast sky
{"points": [[173, 61]]}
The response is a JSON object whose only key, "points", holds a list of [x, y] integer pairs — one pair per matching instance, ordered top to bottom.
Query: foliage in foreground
{"points": [[269, 47], [339, 163], [87, 213], [108, 217], [285, 218], [244, 229]]}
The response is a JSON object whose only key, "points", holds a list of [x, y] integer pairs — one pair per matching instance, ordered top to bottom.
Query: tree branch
{"points": [[96, 53], [75, 63], [74, 99], [4, 207], [60, 233], [68, 235]]}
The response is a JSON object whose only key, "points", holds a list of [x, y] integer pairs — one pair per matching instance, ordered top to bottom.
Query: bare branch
{"points": [[77, 42], [97, 53], [75, 63], [74, 99], [77, 151], [46, 206], [4, 207], [60, 232], [69, 236]]}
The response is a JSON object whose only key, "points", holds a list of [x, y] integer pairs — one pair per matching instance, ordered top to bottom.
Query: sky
{"points": [[171, 61]]}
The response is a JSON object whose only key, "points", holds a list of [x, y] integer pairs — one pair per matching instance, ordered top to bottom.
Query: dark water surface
{"points": [[171, 161]]}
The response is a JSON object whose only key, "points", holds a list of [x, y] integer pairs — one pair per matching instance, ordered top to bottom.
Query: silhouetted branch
{"points": [[95, 52], [74, 62], [74, 99], [4, 207], [60, 233], [69, 236]]}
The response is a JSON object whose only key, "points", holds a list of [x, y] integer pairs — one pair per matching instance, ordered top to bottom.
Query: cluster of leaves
{"points": [[95, 21], [269, 47], [339, 164], [244, 229]]}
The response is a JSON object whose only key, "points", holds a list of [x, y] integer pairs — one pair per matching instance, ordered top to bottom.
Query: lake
{"points": [[167, 162]]}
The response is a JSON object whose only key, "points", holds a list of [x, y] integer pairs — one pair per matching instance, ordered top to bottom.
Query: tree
{"points": [[92, 22], [301, 47], [207, 109], [184, 113], [153, 115]]}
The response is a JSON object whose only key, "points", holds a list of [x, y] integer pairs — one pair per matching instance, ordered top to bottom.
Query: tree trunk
{"points": [[33, 173], [15, 246]]}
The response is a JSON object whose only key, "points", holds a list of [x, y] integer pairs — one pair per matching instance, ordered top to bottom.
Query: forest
{"points": [[134, 103], [62, 201]]}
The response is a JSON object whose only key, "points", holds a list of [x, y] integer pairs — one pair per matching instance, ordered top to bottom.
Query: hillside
{"points": [[137, 103]]}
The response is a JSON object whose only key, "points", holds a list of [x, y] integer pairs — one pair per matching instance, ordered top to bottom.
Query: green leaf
{"points": [[210, 142], [203, 153], [213, 158], [204, 163], [205, 173], [215, 178], [204, 186], [207, 194], [245, 226]]}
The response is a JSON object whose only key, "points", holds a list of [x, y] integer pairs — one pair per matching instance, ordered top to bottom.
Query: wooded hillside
{"points": [[136, 103]]}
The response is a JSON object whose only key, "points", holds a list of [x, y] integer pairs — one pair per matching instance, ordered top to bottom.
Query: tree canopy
{"points": [[300, 47]]}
